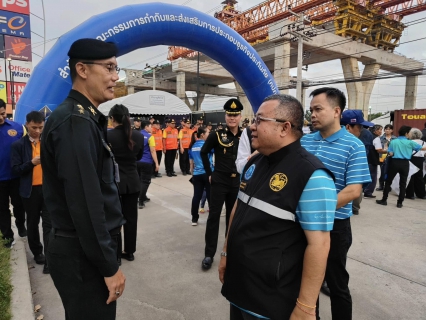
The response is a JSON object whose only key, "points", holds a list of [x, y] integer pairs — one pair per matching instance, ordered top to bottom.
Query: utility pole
{"points": [[300, 36], [153, 69]]}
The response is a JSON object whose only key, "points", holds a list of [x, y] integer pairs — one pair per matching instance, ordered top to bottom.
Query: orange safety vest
{"points": [[158, 136], [186, 138], [171, 139]]}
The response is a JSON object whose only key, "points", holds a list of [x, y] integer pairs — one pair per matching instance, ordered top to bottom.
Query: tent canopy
{"points": [[153, 102]]}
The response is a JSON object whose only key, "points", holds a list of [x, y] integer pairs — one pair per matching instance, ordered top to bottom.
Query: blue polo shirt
{"points": [[10, 131], [402, 148], [194, 154], [344, 155]]}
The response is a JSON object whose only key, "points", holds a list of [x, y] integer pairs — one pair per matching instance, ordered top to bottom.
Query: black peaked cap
{"points": [[92, 49]]}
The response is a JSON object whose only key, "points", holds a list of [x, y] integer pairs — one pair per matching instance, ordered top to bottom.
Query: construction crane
{"points": [[374, 22]]}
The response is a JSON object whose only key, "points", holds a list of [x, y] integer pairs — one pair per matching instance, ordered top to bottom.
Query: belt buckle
{"points": [[233, 175]]}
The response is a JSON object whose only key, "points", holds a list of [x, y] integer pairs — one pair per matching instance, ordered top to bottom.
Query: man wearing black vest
{"points": [[274, 258]]}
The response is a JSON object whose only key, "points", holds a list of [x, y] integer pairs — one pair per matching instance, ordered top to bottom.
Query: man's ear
{"points": [[81, 70]]}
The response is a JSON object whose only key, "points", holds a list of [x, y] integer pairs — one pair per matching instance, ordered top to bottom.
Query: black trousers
{"points": [[159, 156], [169, 160], [184, 161], [402, 167], [145, 174], [199, 181], [416, 184], [9, 189], [224, 189], [129, 203], [36, 209], [336, 275], [80, 285], [238, 314]]}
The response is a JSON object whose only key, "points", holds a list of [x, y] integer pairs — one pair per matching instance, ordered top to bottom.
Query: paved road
{"points": [[165, 282]]}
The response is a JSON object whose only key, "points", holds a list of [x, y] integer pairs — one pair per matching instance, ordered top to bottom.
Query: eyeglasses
{"points": [[110, 66], [258, 119]]}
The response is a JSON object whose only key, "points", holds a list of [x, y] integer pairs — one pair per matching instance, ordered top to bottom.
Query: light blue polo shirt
{"points": [[402, 148], [344, 155]]}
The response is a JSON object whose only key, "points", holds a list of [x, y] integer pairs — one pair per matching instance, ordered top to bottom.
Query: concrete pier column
{"points": [[282, 65], [370, 72], [180, 86], [354, 89], [130, 90], [359, 92], [410, 92], [248, 110]]}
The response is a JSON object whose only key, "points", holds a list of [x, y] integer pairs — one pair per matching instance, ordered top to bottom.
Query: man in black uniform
{"points": [[137, 123], [225, 179], [80, 189]]}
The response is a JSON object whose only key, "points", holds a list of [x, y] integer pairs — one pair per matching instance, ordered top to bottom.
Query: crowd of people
{"points": [[87, 183]]}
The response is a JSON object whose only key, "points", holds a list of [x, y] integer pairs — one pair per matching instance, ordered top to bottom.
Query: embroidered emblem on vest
{"points": [[12, 132], [249, 172], [278, 181]]}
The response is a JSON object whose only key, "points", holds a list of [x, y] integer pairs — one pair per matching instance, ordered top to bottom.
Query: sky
{"points": [[62, 16]]}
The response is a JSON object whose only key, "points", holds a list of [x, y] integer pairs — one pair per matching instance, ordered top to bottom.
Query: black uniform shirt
{"points": [[225, 145], [79, 186]]}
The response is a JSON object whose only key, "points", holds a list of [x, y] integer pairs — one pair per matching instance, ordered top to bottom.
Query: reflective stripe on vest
{"points": [[171, 140], [266, 207]]}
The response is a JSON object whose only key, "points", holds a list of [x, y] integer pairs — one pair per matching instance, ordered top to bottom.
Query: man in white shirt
{"points": [[245, 151]]}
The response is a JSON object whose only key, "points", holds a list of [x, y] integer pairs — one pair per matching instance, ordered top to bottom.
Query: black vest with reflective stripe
{"points": [[265, 244]]}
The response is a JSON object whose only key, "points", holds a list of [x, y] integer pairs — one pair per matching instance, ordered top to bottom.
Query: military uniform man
{"points": [[137, 123], [245, 124], [209, 126], [219, 126], [225, 178], [80, 189]]}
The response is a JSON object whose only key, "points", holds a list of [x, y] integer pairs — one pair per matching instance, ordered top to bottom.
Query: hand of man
{"points": [[181, 150], [164, 151], [36, 160], [157, 167], [210, 179], [222, 269], [115, 284], [298, 314]]}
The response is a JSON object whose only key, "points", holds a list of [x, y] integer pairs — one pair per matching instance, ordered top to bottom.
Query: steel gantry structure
{"points": [[374, 22]]}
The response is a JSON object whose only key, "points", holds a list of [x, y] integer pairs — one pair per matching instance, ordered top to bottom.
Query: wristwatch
{"points": [[223, 254]]}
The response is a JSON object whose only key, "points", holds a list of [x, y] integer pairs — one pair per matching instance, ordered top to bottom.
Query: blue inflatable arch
{"points": [[138, 26]]}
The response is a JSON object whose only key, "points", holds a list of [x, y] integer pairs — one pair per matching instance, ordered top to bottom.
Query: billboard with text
{"points": [[21, 6], [17, 48]]}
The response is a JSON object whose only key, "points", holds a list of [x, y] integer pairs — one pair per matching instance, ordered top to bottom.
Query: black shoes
{"points": [[184, 173], [169, 174], [173, 174], [379, 189], [369, 196], [411, 198], [147, 200], [382, 202], [399, 204], [141, 205], [355, 212], [22, 231], [9, 243], [128, 256], [40, 258], [207, 263], [46, 269], [325, 289]]}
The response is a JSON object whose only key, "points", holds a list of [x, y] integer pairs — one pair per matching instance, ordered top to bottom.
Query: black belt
{"points": [[73, 233]]}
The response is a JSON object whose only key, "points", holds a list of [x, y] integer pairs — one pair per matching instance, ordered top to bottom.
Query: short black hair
{"points": [[73, 71], [334, 96], [2, 104], [290, 108], [35, 116], [144, 124], [389, 126], [404, 130]]}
